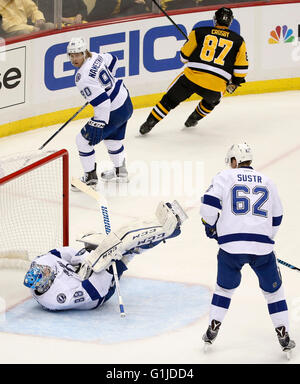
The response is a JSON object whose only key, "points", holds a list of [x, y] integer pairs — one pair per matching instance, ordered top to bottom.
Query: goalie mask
{"points": [[39, 277]]}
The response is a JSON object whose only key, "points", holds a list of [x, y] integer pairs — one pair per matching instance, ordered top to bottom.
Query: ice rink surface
{"points": [[167, 290]]}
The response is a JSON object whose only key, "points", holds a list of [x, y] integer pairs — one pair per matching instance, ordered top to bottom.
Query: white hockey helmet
{"points": [[77, 45], [241, 152]]}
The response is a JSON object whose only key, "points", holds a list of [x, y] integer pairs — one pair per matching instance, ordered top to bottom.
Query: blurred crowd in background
{"points": [[18, 17]]}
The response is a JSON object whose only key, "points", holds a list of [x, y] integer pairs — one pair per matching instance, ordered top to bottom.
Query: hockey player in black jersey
{"points": [[216, 61]]}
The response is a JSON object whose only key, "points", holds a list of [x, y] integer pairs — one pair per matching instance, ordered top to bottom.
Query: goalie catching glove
{"points": [[141, 234]]}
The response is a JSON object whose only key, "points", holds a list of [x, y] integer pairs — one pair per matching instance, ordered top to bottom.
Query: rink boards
{"points": [[37, 79]]}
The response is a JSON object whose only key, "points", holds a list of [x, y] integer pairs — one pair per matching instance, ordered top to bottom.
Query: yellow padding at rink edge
{"points": [[58, 117]]}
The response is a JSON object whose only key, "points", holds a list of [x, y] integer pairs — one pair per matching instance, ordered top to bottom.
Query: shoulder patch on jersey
{"points": [[78, 77], [61, 298]]}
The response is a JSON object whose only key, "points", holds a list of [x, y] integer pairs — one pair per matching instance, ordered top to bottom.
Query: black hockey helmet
{"points": [[223, 16]]}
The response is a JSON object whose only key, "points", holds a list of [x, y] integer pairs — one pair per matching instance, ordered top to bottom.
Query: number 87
{"points": [[210, 45]]}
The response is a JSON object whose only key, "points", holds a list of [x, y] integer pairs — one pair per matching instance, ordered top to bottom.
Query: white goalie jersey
{"points": [[97, 84], [247, 209], [66, 279], [68, 291]]}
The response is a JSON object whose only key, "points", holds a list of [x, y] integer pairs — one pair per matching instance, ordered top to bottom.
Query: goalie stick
{"points": [[102, 204]]}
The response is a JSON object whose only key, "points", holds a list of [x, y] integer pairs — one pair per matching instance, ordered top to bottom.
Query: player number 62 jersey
{"points": [[248, 211]]}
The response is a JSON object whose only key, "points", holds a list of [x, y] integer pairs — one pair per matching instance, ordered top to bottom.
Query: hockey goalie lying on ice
{"points": [[67, 279]]}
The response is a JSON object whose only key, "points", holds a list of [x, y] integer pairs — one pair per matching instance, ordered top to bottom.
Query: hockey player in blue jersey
{"points": [[96, 81], [242, 211], [65, 278]]}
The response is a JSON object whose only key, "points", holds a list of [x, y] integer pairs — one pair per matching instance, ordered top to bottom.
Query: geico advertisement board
{"points": [[148, 52], [149, 55], [12, 77]]}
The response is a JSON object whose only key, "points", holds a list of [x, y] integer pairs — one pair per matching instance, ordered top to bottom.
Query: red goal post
{"points": [[34, 203]]}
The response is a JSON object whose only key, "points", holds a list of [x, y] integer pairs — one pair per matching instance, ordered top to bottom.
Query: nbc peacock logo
{"points": [[279, 34]]}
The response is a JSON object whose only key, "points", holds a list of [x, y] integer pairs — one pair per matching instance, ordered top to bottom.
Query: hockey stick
{"points": [[171, 20], [63, 126], [102, 204], [288, 265]]}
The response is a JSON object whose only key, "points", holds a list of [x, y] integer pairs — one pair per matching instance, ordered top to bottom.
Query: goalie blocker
{"points": [[131, 239]]}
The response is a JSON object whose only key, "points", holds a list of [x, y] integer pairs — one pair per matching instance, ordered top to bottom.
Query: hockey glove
{"points": [[234, 83], [231, 87], [93, 131], [210, 230]]}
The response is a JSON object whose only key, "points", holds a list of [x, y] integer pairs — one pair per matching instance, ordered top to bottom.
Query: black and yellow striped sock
{"points": [[203, 110], [159, 112]]}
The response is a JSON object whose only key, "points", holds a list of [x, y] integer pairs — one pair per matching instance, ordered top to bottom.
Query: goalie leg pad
{"points": [[170, 216], [143, 233], [139, 235], [91, 239], [109, 249]]}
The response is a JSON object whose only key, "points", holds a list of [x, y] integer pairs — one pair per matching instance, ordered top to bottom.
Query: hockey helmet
{"points": [[223, 16], [77, 45], [241, 152], [39, 277]]}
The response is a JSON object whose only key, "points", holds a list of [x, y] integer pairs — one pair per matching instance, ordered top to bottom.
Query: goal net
{"points": [[34, 205]]}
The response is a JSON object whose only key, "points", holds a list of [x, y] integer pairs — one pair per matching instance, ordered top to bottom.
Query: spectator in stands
{"points": [[179, 4], [134, 7], [104, 9], [73, 11], [15, 15], [2, 33]]}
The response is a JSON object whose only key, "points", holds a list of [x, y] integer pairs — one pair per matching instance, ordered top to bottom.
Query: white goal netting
{"points": [[33, 204]]}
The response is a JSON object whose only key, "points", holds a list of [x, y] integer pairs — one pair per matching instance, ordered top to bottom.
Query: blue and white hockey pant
{"points": [[113, 136], [269, 277]]}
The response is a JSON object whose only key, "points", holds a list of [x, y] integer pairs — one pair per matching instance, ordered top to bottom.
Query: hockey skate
{"points": [[192, 120], [148, 125], [117, 175], [89, 178], [211, 333], [284, 340]]}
